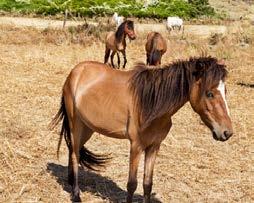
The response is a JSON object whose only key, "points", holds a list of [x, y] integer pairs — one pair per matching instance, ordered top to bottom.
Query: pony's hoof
{"points": [[76, 199], [129, 199], [146, 200]]}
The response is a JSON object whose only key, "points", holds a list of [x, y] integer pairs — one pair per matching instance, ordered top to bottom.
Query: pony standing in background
{"points": [[116, 42], [156, 46]]}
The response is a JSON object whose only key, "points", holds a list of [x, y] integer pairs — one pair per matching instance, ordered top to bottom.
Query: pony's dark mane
{"points": [[120, 30], [157, 91]]}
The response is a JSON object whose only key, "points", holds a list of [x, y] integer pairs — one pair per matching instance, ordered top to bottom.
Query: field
{"points": [[191, 166]]}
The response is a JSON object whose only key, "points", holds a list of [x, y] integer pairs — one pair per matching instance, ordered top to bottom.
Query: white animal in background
{"points": [[150, 3], [118, 20], [173, 22]]}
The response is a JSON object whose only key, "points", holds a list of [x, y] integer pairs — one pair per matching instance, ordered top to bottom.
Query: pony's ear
{"points": [[221, 62]]}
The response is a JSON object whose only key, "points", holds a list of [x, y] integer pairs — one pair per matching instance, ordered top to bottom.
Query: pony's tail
{"points": [[155, 55], [65, 130], [86, 158], [90, 160]]}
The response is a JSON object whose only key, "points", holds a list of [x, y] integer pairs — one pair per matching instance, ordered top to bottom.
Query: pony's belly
{"points": [[112, 47], [108, 127], [119, 134]]}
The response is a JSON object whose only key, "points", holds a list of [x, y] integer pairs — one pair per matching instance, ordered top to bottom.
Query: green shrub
{"points": [[165, 8]]}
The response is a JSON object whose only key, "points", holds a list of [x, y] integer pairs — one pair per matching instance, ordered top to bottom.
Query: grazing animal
{"points": [[148, 3], [118, 20], [174, 22], [116, 42], [156, 46], [137, 105]]}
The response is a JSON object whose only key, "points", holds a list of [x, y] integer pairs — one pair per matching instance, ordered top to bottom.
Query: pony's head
{"points": [[126, 28], [129, 29], [208, 96]]}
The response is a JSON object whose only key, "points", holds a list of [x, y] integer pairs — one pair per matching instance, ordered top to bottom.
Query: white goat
{"points": [[148, 3], [118, 20], [173, 22]]}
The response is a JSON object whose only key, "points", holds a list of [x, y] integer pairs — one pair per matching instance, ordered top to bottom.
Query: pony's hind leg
{"points": [[107, 53], [112, 58], [124, 58], [118, 60], [80, 135], [85, 135], [74, 162], [70, 168]]}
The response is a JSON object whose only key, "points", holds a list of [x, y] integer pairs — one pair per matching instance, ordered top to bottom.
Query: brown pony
{"points": [[116, 42], [156, 46], [137, 105]]}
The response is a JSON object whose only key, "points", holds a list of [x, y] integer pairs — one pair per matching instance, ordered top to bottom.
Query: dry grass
{"points": [[235, 9], [191, 166]]}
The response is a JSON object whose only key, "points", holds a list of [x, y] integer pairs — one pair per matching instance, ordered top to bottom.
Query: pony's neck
{"points": [[120, 35], [122, 38], [181, 89], [160, 92]]}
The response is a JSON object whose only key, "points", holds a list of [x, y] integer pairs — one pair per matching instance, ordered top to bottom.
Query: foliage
{"points": [[163, 9]]}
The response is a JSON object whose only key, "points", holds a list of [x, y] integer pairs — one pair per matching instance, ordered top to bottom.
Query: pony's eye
{"points": [[209, 94]]}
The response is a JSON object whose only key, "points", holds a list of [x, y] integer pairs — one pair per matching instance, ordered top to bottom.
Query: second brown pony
{"points": [[115, 42], [156, 46]]}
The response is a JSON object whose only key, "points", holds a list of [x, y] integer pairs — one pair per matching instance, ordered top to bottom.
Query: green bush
{"points": [[165, 8]]}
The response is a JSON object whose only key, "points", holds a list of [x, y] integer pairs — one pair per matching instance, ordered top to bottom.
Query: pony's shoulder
{"points": [[110, 34]]}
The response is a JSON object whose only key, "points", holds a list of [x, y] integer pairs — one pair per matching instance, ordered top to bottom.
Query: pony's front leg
{"points": [[106, 56], [135, 153], [150, 155]]}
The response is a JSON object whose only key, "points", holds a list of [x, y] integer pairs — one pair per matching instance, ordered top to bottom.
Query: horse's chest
{"points": [[120, 46]]}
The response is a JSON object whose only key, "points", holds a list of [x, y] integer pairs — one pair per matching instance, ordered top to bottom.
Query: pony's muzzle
{"points": [[132, 37], [227, 134], [222, 136]]}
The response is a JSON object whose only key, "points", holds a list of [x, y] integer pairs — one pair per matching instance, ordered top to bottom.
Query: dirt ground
{"points": [[39, 23], [191, 166]]}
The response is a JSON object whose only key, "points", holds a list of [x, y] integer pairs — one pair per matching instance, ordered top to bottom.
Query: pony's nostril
{"points": [[227, 134]]}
